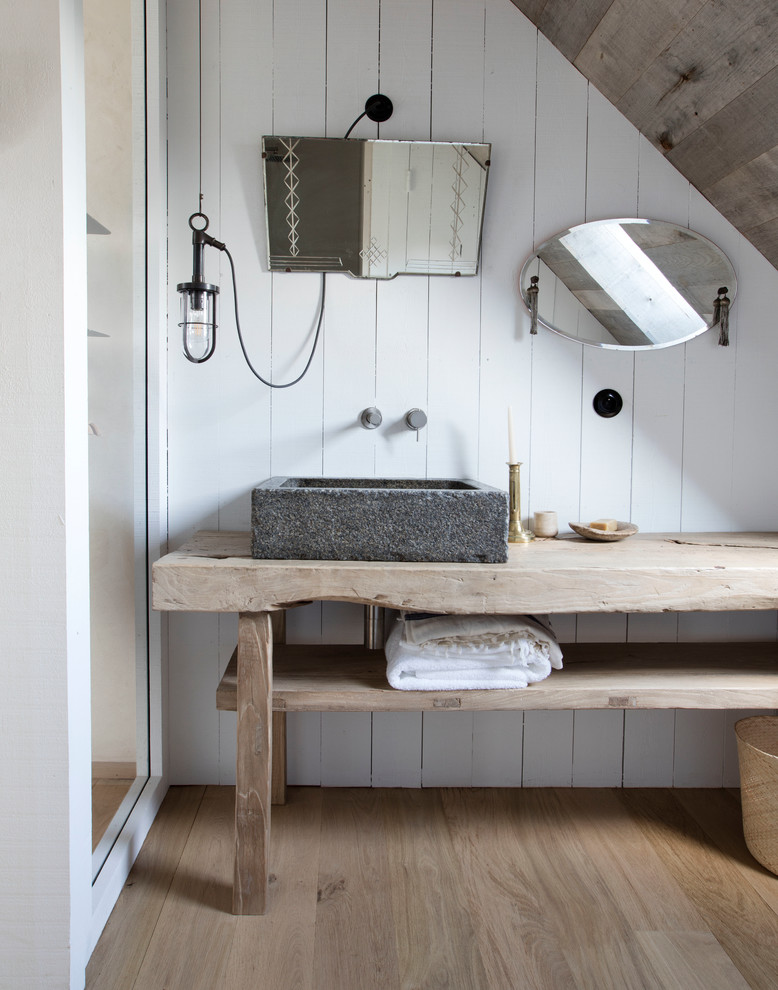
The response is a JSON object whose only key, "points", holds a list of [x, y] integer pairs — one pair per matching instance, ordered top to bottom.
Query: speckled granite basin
{"points": [[379, 519]]}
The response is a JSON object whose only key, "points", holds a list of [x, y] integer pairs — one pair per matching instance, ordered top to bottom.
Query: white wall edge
{"points": [[116, 869]]}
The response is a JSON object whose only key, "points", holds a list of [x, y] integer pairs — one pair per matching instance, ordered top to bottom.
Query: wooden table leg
{"points": [[253, 771]]}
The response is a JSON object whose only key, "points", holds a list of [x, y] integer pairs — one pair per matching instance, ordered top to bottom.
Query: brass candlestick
{"points": [[516, 533]]}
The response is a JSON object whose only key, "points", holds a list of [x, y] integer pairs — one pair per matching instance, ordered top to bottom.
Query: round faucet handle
{"points": [[371, 418], [416, 419]]}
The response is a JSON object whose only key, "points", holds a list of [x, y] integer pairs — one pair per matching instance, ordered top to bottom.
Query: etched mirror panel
{"points": [[374, 209]]}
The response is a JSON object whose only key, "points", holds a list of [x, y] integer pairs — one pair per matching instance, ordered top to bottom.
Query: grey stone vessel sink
{"points": [[379, 519]]}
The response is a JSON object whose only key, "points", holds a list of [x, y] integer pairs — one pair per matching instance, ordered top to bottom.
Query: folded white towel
{"points": [[470, 652]]}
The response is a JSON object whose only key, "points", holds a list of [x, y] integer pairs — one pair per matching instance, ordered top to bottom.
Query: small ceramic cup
{"points": [[545, 524]]}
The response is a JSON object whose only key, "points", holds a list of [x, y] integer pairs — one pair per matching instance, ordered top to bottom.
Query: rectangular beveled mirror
{"points": [[374, 209]]}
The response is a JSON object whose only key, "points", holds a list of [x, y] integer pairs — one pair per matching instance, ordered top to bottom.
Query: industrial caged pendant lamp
{"points": [[198, 297]]}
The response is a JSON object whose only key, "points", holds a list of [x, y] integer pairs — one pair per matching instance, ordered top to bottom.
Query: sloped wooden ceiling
{"points": [[699, 78]]}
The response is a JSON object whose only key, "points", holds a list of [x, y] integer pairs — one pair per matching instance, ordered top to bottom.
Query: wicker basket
{"points": [[757, 745]]}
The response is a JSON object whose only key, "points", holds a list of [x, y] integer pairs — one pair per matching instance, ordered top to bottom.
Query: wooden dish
{"points": [[625, 529]]}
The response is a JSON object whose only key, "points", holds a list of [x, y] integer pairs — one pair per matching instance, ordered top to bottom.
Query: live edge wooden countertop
{"points": [[652, 572]]}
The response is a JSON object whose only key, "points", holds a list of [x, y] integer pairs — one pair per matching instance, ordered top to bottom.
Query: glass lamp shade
{"points": [[198, 319]]}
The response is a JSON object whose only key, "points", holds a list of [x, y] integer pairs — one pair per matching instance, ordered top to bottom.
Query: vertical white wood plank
{"points": [[352, 64], [299, 67], [405, 67], [458, 70], [352, 76], [299, 107], [560, 163], [612, 172], [663, 193], [454, 304], [505, 357], [401, 375], [195, 398], [710, 398], [658, 401], [297, 412], [452, 430], [606, 444], [244, 445], [657, 448], [349, 449], [754, 476], [552, 478], [342, 622], [304, 624], [755, 626], [564, 627], [715, 627], [718, 627], [601, 628], [649, 628], [193, 725], [228, 726], [303, 729], [228, 732], [649, 735], [699, 736], [649, 741], [598, 742], [303, 749], [345, 749], [396, 749], [447, 749], [497, 749], [548, 749], [699, 749], [731, 766]]}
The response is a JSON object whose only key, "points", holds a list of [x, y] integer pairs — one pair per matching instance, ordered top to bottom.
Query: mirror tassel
{"points": [[532, 293], [721, 316]]}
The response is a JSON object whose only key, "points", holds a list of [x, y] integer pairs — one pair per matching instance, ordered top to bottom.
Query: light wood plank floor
{"points": [[465, 889]]}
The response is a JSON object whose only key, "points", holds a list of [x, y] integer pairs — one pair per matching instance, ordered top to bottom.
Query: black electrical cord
{"points": [[363, 114], [240, 334]]}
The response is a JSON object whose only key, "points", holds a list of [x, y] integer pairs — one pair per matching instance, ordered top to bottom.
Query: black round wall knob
{"points": [[379, 108], [608, 403]]}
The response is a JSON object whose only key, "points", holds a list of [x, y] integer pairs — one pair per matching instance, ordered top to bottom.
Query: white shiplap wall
{"points": [[688, 452]]}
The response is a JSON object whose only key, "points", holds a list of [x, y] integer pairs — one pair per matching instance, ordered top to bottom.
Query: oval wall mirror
{"points": [[631, 284]]}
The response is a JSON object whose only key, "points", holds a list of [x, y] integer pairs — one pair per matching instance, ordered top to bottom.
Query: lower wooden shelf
{"points": [[595, 675]]}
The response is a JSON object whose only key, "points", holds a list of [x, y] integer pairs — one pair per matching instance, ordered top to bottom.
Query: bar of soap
{"points": [[606, 525]]}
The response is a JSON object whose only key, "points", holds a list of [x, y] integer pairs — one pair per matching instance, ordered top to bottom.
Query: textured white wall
{"points": [[686, 453], [45, 852]]}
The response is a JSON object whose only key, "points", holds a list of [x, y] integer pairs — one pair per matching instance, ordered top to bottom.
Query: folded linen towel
{"points": [[470, 652]]}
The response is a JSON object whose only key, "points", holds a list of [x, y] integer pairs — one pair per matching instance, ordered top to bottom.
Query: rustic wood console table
{"points": [[214, 572]]}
